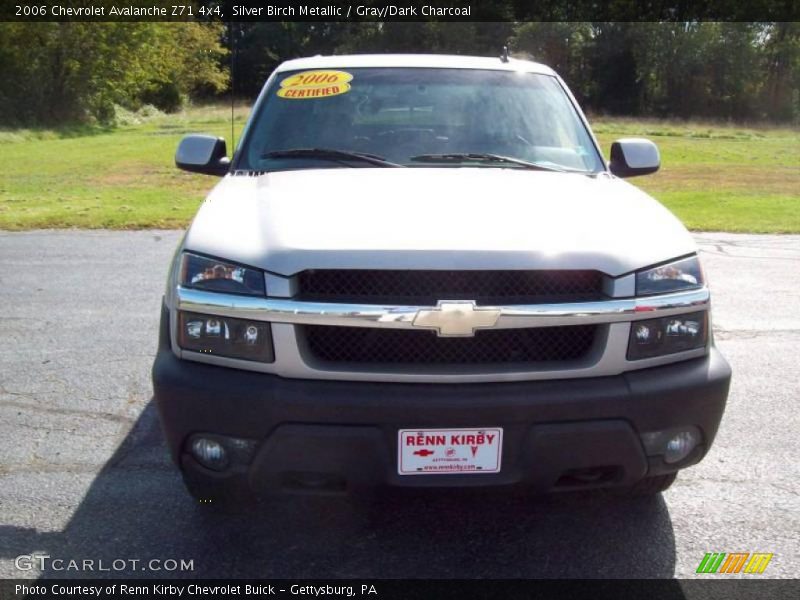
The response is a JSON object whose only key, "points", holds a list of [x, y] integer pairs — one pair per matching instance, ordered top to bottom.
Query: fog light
{"points": [[213, 328], [686, 328], [194, 329], [646, 334], [667, 335], [225, 336], [673, 444], [680, 446], [210, 453]]}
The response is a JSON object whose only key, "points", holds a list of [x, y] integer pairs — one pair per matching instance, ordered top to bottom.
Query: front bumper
{"points": [[344, 434]]}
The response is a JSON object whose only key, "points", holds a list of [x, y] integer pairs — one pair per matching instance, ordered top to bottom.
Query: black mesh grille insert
{"points": [[427, 287], [490, 346]]}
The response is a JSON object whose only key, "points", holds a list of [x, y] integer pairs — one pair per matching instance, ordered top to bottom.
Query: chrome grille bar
{"points": [[295, 312]]}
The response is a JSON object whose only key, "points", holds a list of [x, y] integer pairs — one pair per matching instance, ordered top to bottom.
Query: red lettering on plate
{"points": [[426, 440], [434, 440]]}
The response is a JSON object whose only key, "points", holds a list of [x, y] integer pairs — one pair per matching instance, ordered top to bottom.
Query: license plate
{"points": [[448, 451]]}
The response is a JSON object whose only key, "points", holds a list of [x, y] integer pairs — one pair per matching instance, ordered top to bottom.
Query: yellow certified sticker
{"points": [[315, 84]]}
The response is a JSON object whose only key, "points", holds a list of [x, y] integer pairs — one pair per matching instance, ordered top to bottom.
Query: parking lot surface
{"points": [[84, 474]]}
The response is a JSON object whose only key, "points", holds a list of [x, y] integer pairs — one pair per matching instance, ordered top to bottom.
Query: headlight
{"points": [[204, 273], [684, 274], [667, 335], [225, 336]]}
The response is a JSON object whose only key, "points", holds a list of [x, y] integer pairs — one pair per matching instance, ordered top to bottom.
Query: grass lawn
{"points": [[714, 177], [720, 178]]}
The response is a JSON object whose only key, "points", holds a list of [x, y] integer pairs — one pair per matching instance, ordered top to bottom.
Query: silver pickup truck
{"points": [[421, 271]]}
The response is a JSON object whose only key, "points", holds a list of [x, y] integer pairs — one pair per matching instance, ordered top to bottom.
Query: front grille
{"points": [[426, 288], [334, 344]]}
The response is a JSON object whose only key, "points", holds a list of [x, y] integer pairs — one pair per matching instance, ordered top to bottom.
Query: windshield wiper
{"points": [[331, 154], [481, 157]]}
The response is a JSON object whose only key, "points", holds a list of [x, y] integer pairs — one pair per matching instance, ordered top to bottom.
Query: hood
{"points": [[435, 218]]}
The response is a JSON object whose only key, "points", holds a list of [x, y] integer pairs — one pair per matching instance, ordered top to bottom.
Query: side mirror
{"points": [[203, 154], [634, 156]]}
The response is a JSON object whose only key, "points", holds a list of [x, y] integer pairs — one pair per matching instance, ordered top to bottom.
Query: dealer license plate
{"points": [[448, 451]]}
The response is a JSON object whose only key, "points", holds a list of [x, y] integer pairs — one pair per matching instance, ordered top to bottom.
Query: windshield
{"points": [[416, 118]]}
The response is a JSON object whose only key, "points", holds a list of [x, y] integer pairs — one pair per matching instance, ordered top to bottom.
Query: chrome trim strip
{"points": [[295, 312]]}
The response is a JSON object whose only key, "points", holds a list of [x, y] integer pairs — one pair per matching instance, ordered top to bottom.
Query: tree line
{"points": [[64, 72], [56, 73]]}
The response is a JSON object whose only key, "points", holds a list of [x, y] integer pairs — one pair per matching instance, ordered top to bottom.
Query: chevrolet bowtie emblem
{"points": [[453, 318]]}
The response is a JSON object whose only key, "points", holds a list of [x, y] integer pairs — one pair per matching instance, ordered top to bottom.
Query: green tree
{"points": [[566, 47], [781, 67], [59, 72]]}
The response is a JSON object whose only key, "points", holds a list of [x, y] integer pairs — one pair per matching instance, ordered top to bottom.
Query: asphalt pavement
{"points": [[84, 473]]}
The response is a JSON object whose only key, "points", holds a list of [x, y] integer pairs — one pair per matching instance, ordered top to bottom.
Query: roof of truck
{"points": [[437, 61]]}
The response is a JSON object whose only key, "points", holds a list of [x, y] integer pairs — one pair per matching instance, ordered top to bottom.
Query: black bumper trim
{"points": [[351, 427]]}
